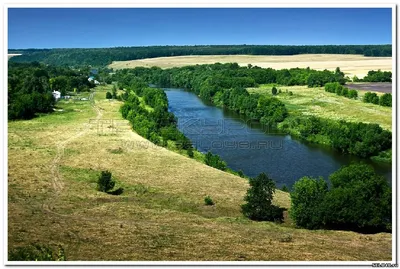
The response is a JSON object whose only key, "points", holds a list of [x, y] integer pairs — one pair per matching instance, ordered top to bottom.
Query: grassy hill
{"points": [[318, 102], [53, 164]]}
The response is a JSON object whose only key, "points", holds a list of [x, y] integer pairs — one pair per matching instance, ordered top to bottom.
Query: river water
{"points": [[245, 145]]}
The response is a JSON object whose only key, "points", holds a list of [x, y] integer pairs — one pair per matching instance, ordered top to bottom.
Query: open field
{"points": [[350, 64], [385, 87], [318, 102], [53, 165]]}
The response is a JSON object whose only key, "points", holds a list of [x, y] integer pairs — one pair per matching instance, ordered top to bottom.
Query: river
{"points": [[244, 145]]}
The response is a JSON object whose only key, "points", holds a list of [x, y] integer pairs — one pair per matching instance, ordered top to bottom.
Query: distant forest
{"points": [[98, 57]]}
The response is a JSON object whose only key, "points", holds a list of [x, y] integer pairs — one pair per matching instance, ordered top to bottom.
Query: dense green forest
{"points": [[104, 56], [224, 85], [30, 87]]}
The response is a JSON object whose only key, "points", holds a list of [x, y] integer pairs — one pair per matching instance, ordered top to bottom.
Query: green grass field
{"points": [[317, 102], [53, 165]]}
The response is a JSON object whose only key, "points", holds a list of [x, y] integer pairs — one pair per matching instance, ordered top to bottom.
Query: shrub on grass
{"points": [[105, 183], [208, 200]]}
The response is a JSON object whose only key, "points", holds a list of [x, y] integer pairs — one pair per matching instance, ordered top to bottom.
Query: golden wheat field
{"points": [[350, 64], [53, 165]]}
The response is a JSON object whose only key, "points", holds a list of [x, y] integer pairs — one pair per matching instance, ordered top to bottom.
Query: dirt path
{"points": [[57, 183]]}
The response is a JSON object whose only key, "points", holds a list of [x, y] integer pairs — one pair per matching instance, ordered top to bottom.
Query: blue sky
{"points": [[112, 27]]}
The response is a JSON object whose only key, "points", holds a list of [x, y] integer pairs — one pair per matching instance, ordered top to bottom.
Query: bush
{"points": [[274, 91], [290, 93], [352, 94], [109, 95], [371, 97], [386, 100], [190, 152], [214, 161], [241, 174], [105, 183], [285, 188], [306, 197], [258, 199], [208, 201], [36, 253]]}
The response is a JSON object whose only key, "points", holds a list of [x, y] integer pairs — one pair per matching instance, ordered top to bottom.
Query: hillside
{"points": [[54, 161]]}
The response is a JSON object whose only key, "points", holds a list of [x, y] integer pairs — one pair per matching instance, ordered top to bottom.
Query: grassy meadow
{"points": [[351, 65], [317, 102], [53, 165]]}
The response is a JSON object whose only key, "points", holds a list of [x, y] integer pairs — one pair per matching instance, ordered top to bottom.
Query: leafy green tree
{"points": [[274, 91], [352, 94], [108, 95], [386, 100], [306, 197], [259, 198], [358, 200]]}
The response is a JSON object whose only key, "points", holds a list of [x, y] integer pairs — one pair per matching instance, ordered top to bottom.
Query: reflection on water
{"points": [[246, 146]]}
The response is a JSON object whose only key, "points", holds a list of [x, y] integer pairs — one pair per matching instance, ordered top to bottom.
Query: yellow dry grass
{"points": [[351, 65], [161, 214]]}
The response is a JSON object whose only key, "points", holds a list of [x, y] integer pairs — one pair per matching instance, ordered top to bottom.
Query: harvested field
{"points": [[350, 64], [385, 87]]}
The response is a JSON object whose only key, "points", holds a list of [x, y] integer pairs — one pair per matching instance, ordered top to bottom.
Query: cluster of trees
{"points": [[104, 56], [375, 76], [30, 87], [335, 87], [384, 100], [150, 117], [361, 139], [358, 199]]}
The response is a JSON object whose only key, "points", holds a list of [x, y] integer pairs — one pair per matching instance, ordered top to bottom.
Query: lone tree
{"points": [[274, 90], [108, 95], [105, 183], [258, 199]]}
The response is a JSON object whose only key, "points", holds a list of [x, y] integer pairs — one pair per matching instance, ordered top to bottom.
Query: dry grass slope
{"points": [[350, 64], [160, 216]]}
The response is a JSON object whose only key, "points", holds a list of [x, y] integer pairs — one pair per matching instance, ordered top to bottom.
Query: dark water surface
{"points": [[244, 145]]}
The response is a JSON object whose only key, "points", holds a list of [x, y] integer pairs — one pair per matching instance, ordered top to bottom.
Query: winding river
{"points": [[244, 145]]}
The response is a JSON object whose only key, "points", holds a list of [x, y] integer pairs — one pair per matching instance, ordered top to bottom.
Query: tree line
{"points": [[104, 56], [375, 76], [30, 87], [335, 87], [373, 98], [147, 110], [361, 139]]}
